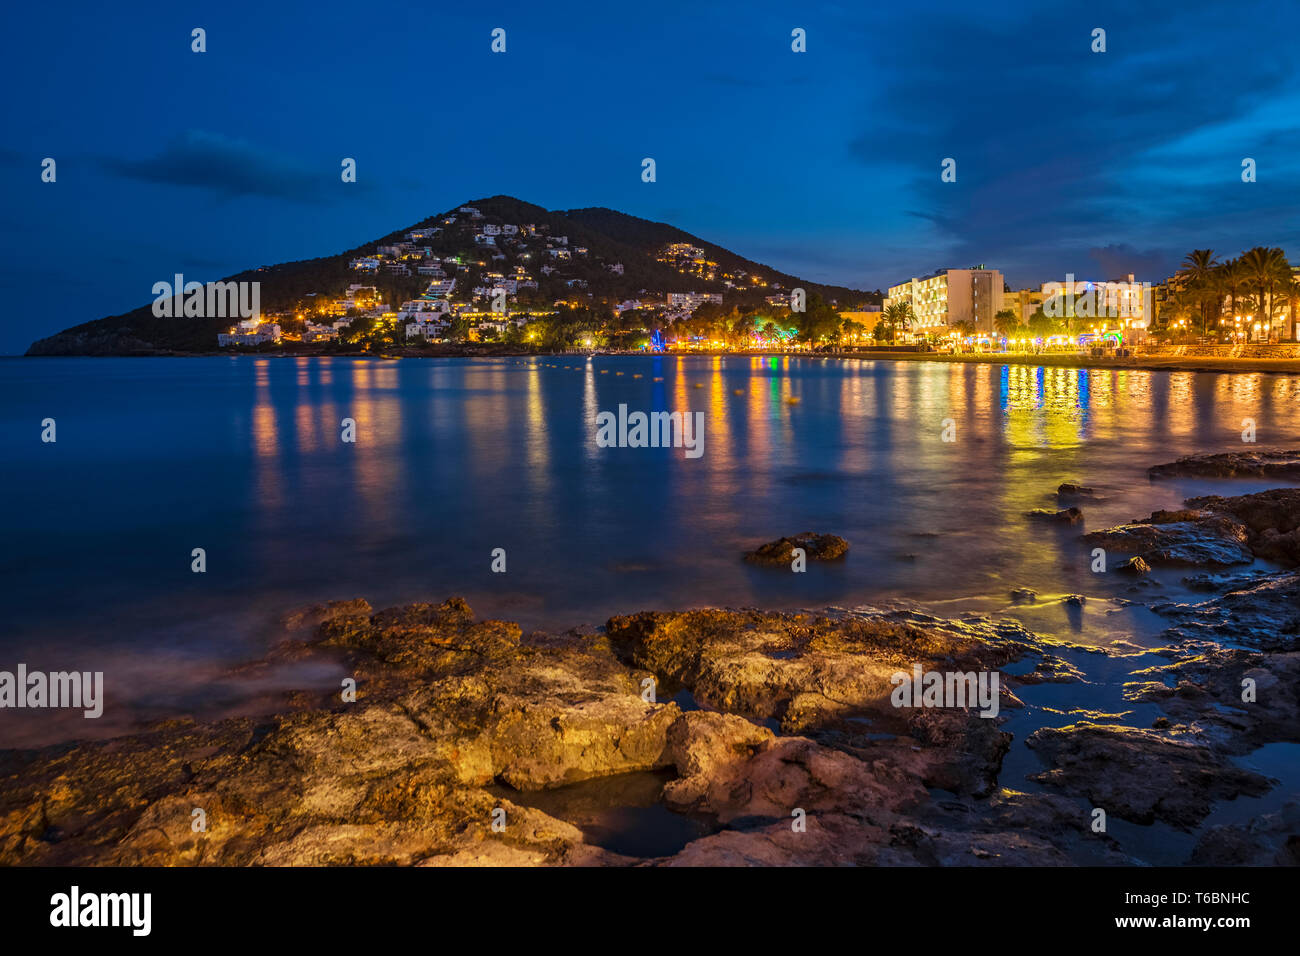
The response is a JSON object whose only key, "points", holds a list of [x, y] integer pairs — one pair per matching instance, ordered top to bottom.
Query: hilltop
{"points": [[611, 257]]}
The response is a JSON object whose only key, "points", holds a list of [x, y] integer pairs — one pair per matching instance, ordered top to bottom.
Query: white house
{"points": [[250, 332], [319, 333]]}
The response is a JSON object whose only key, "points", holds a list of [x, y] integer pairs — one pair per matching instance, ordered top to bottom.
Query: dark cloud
{"points": [[1066, 157], [227, 167], [1119, 260]]}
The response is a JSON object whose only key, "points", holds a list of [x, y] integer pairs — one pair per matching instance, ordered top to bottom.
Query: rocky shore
{"points": [[778, 736]]}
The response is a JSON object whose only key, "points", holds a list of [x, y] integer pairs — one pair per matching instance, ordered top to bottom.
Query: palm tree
{"points": [[1265, 267], [1198, 273], [1231, 275], [1292, 291], [1178, 310], [899, 314], [1006, 322]]}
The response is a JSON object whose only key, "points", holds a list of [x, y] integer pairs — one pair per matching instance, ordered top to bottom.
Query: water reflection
{"points": [[453, 458]]}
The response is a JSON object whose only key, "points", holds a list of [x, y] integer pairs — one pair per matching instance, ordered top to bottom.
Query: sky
{"points": [[825, 164]]}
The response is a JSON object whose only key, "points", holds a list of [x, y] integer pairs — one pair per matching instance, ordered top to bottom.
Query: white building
{"points": [[949, 296], [690, 301], [433, 329], [250, 332], [319, 333]]}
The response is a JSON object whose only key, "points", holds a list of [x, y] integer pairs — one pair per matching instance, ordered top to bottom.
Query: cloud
{"points": [[1069, 159], [225, 166], [1117, 260]]}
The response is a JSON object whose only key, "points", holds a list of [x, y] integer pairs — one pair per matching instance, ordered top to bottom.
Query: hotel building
{"points": [[952, 295]]}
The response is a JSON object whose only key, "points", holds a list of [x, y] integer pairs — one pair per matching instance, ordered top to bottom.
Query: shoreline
{"points": [[1153, 363], [687, 737]]}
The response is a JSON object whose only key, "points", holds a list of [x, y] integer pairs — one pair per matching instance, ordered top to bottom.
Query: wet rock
{"points": [[1237, 464], [1066, 488], [1067, 491], [1066, 516], [1271, 519], [1194, 538], [817, 547], [1134, 565], [1221, 583], [1024, 595], [1076, 600], [1264, 613], [317, 614], [1210, 689], [445, 706], [458, 717], [1142, 775], [1010, 829], [1269, 840]]}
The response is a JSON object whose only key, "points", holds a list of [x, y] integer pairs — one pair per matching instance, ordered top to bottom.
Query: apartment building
{"points": [[949, 296]]}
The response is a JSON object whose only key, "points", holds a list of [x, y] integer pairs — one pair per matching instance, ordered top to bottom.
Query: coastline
{"points": [[1151, 363], [466, 741]]}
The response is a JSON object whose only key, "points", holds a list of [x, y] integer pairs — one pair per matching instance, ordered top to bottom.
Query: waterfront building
{"points": [[948, 296]]}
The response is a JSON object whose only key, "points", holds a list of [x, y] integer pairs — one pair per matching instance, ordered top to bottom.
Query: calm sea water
{"points": [[243, 457]]}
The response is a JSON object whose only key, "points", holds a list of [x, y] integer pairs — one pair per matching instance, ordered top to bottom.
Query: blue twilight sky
{"points": [[825, 164]]}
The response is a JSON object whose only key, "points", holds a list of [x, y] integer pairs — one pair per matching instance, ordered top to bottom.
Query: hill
{"points": [[611, 257]]}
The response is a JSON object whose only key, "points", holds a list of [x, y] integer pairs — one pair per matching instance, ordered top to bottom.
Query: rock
{"points": [[1237, 464], [1066, 488], [1068, 491], [1067, 516], [1271, 519], [1195, 538], [817, 547], [1134, 565], [1220, 583], [1024, 595], [1076, 600], [1263, 612], [317, 614], [830, 678], [1207, 688], [446, 705], [457, 718], [744, 774], [1142, 775], [1010, 829], [1269, 840]]}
